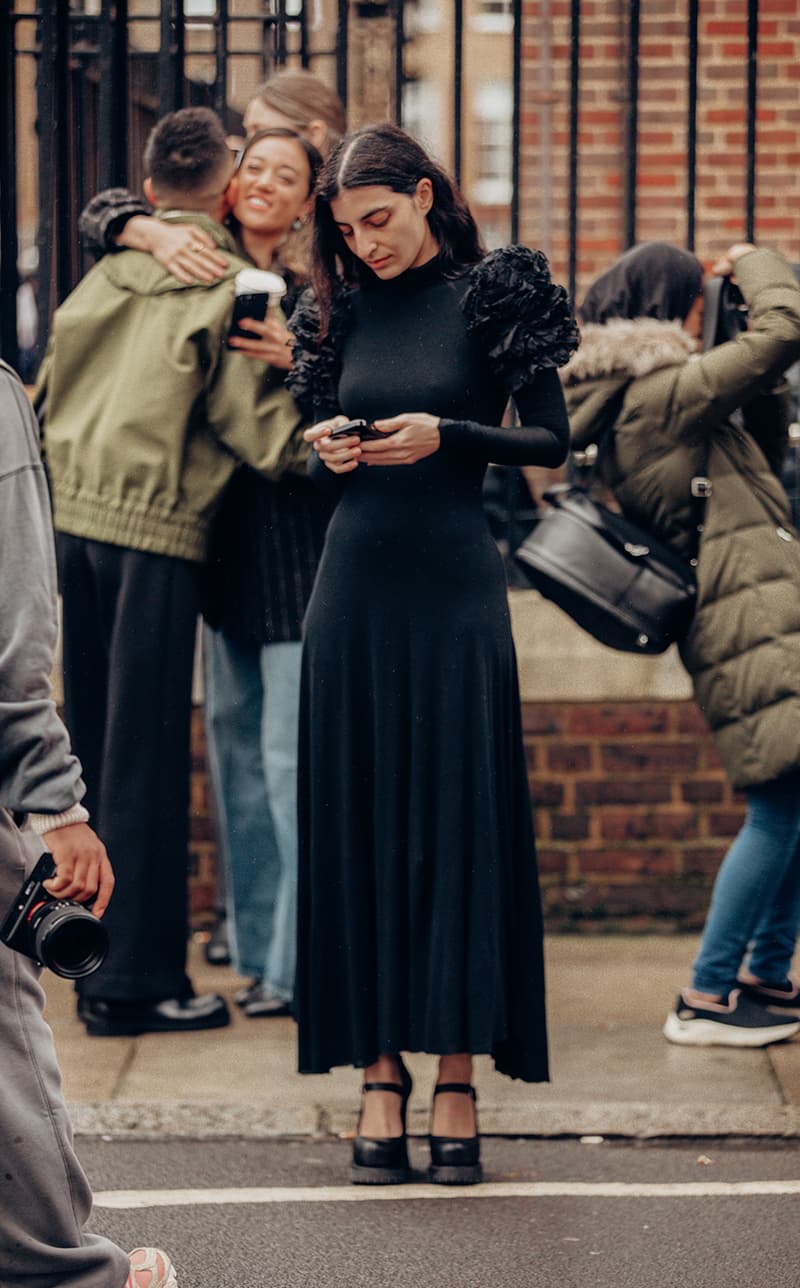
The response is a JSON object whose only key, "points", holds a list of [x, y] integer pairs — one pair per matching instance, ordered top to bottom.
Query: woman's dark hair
{"points": [[313, 155], [385, 156], [652, 280]]}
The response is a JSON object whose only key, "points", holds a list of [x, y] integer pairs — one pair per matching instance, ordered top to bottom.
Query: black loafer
{"points": [[111, 1019], [383, 1160], [455, 1160]]}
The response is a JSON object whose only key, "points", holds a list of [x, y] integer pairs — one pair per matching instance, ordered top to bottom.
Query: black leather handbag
{"points": [[626, 589]]}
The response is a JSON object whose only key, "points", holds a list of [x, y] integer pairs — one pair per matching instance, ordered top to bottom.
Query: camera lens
{"points": [[69, 939]]}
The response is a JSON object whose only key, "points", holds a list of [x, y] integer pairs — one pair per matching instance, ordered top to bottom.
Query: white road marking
{"points": [[395, 1193]]}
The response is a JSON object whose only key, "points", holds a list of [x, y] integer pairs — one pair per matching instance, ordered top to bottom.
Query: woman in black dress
{"points": [[420, 921]]}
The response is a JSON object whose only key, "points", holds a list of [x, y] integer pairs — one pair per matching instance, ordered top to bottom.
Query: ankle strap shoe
{"points": [[383, 1160], [456, 1160]]}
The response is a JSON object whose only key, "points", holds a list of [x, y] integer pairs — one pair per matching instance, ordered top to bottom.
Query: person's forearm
{"points": [[105, 217], [138, 233], [542, 438]]}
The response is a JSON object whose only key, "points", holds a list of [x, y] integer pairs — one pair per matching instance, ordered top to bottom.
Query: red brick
{"points": [[726, 28], [621, 718], [540, 719], [690, 719], [565, 758], [634, 758], [605, 791], [703, 791], [546, 793], [725, 822], [630, 826], [569, 827], [201, 829], [703, 860], [619, 861], [551, 862]]}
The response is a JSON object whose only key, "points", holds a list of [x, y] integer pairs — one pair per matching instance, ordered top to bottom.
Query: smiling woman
{"points": [[270, 193]]}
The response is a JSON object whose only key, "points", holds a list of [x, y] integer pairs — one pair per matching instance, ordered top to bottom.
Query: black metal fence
{"points": [[100, 72], [99, 75]]}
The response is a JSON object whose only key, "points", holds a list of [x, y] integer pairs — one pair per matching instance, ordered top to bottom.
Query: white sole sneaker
{"points": [[712, 1033], [159, 1271]]}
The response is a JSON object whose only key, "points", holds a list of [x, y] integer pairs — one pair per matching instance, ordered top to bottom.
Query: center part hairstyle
{"points": [[187, 153], [385, 156], [653, 280]]}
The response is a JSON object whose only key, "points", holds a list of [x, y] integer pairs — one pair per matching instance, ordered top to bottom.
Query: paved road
{"points": [[552, 1214]]}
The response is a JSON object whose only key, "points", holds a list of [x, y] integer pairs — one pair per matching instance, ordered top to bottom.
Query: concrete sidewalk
{"points": [[613, 1074]]}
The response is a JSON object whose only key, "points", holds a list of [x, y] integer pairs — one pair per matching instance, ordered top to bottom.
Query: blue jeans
{"points": [[252, 697], [756, 898]]}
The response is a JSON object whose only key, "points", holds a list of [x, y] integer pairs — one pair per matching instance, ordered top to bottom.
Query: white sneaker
{"points": [[739, 1022], [151, 1268]]}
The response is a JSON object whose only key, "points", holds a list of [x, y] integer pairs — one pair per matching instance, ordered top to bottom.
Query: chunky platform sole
{"points": [[708, 1033], [469, 1174], [378, 1175]]}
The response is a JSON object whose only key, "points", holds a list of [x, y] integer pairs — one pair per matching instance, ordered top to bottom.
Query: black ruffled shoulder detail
{"points": [[520, 317], [314, 378]]}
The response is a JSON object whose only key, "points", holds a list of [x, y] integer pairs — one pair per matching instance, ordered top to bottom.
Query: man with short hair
{"points": [[147, 413], [45, 1200]]}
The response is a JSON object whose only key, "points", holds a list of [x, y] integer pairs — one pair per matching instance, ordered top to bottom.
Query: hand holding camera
{"points": [[83, 870], [49, 920]]}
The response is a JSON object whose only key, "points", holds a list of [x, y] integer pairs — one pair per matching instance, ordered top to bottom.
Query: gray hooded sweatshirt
{"points": [[38, 773]]}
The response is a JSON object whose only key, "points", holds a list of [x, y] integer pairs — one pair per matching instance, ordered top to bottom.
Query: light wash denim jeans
{"points": [[252, 697], [756, 898]]}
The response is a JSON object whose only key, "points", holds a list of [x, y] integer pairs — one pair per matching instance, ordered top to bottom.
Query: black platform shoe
{"points": [[456, 1160], [383, 1161]]}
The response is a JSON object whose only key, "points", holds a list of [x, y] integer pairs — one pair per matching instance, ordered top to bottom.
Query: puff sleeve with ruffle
{"points": [[522, 320], [313, 379]]}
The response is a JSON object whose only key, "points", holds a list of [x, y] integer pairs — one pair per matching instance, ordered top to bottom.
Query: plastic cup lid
{"points": [[256, 281]]}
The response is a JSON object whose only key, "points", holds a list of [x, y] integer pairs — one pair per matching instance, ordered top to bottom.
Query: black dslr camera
{"points": [[725, 312], [59, 933]]}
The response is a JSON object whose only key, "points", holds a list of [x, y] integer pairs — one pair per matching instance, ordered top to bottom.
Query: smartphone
{"points": [[255, 306], [363, 429]]}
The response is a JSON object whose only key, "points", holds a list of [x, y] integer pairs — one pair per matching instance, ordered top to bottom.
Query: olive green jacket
{"points": [[147, 410], [675, 416]]}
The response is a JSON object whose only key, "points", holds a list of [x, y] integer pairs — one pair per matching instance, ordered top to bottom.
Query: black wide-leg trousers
{"points": [[129, 622]]}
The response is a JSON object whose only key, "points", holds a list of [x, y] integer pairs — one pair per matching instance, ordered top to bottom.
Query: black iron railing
{"points": [[99, 86]]}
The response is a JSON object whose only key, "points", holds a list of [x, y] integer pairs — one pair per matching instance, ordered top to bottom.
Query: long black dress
{"points": [[420, 921]]}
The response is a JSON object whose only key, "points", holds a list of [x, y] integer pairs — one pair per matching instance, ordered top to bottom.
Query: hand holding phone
{"points": [[363, 429]]}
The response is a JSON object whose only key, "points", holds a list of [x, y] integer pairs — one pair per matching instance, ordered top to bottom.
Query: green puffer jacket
{"points": [[148, 411], [743, 650]]}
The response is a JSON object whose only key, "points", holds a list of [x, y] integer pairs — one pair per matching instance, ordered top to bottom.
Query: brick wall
{"points": [[661, 189], [633, 814], [202, 847]]}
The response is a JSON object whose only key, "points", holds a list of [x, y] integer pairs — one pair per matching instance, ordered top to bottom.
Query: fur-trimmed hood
{"points": [[627, 348], [612, 355]]}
